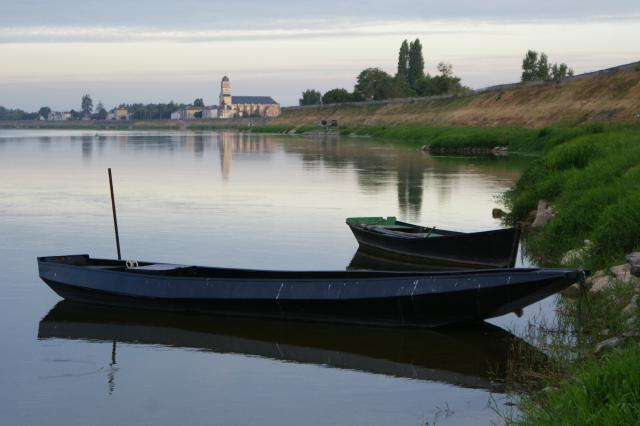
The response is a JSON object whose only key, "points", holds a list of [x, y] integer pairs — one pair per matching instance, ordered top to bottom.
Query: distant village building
{"points": [[230, 106], [245, 106], [191, 112], [210, 112], [120, 113], [59, 116]]}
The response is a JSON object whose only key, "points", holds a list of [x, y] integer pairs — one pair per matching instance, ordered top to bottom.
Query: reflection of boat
{"points": [[399, 240], [363, 259], [367, 297], [473, 357]]}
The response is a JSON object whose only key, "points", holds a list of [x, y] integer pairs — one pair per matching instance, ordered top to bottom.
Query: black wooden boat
{"points": [[417, 244], [366, 297], [472, 357]]}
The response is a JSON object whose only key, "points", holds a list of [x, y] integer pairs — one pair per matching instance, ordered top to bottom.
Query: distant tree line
{"points": [[537, 67], [409, 81], [138, 111], [141, 111], [16, 114]]}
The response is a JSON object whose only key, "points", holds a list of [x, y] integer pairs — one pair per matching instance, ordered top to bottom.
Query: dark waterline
{"points": [[228, 199]]}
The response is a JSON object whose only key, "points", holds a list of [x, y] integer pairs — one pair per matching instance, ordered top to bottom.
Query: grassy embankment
{"points": [[609, 96], [593, 181]]}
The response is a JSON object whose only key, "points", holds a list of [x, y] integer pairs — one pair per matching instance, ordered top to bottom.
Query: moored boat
{"points": [[417, 244], [402, 298]]}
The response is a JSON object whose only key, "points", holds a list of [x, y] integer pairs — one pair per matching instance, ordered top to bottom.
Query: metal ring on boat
{"points": [[131, 264]]}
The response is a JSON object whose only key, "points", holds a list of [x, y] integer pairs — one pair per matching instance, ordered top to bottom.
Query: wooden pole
{"points": [[115, 218]]}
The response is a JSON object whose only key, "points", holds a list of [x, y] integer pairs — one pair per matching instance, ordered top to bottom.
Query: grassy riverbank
{"points": [[453, 139], [592, 180]]}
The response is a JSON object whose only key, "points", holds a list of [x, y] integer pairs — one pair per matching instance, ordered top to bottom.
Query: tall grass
{"points": [[593, 180], [604, 392]]}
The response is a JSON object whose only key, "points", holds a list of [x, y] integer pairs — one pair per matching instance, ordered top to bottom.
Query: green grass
{"points": [[285, 128], [517, 139], [591, 175], [593, 180], [600, 392]]}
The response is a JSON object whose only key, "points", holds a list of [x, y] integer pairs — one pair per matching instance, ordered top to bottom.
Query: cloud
{"points": [[247, 15], [48, 34]]}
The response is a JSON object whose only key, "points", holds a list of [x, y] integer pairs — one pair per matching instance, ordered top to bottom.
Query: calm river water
{"points": [[229, 199]]}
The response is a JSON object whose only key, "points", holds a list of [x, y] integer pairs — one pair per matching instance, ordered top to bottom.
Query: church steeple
{"points": [[225, 92]]}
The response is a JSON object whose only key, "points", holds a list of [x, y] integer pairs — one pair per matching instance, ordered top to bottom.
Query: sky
{"points": [[155, 51]]}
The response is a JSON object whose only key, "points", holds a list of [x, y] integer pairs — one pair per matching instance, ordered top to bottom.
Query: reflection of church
{"points": [[245, 106], [244, 143]]}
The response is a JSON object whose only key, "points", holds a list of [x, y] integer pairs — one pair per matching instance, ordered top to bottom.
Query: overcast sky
{"points": [[156, 51]]}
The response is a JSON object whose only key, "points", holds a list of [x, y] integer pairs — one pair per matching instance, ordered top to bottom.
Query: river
{"points": [[237, 200]]}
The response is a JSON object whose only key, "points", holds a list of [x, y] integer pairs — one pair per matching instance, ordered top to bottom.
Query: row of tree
{"points": [[537, 67], [410, 80], [137, 111]]}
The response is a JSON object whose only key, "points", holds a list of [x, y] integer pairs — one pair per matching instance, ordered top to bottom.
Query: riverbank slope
{"points": [[611, 95]]}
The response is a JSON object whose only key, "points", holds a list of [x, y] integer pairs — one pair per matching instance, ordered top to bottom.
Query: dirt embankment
{"points": [[611, 95]]}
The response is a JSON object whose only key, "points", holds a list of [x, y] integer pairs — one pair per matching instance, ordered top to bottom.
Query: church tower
{"points": [[225, 93]]}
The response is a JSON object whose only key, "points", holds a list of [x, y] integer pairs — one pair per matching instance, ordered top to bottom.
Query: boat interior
{"points": [[391, 225], [187, 271]]}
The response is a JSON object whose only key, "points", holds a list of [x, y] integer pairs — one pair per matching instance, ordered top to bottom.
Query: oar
{"points": [[115, 217]]}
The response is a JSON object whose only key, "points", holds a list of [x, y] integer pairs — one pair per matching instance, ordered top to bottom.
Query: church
{"points": [[245, 106]]}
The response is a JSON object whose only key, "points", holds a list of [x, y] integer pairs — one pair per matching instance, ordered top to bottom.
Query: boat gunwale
{"points": [[450, 234], [344, 275]]}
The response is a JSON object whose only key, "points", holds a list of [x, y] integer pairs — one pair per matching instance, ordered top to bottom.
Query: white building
{"points": [[120, 113], [59, 116]]}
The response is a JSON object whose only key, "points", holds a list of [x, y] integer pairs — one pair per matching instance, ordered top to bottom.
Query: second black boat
{"points": [[422, 245]]}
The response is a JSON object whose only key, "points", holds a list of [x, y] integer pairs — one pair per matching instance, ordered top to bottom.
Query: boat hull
{"points": [[488, 249], [379, 298]]}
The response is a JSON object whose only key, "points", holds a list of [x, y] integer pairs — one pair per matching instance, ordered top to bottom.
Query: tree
{"points": [[403, 61], [416, 63], [529, 66], [536, 67], [542, 67], [558, 72], [445, 82], [373, 83], [424, 87], [400, 88], [336, 96], [310, 97], [198, 103], [86, 106], [140, 111], [44, 112], [101, 113], [16, 114]]}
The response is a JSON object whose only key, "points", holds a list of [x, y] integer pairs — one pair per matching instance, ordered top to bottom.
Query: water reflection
{"points": [[242, 143], [415, 176], [365, 260], [471, 357]]}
